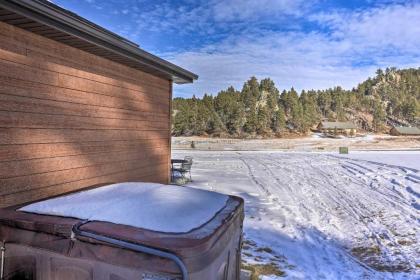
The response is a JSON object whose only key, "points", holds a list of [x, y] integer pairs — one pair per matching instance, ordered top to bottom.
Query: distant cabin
{"points": [[344, 128], [401, 130]]}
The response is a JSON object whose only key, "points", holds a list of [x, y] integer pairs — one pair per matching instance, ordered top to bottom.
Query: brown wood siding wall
{"points": [[69, 120]]}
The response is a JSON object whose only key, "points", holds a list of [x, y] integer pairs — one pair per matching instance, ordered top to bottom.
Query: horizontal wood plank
{"points": [[12, 47], [50, 50], [11, 69], [17, 71], [111, 85], [14, 86], [159, 88], [10, 102], [36, 120], [70, 120], [9, 136], [40, 151], [18, 168], [135, 175], [42, 180]]}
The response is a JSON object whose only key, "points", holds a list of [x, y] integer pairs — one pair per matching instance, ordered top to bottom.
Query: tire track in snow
{"points": [[253, 178], [305, 178], [378, 181], [274, 186], [354, 206], [331, 210], [366, 210], [375, 220]]}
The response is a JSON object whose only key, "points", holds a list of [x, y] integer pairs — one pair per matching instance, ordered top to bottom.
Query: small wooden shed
{"points": [[79, 105], [346, 128], [403, 130]]}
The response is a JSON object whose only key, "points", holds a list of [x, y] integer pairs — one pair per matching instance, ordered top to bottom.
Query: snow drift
{"points": [[149, 206]]}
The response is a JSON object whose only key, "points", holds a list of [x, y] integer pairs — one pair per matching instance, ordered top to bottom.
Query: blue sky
{"points": [[307, 44]]}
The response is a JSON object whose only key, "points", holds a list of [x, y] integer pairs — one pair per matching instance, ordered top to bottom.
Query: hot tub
{"points": [[124, 231]]}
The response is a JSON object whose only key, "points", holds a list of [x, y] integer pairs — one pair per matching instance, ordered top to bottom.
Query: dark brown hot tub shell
{"points": [[44, 247]]}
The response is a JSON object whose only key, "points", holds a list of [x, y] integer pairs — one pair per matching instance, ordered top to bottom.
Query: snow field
{"points": [[321, 216]]}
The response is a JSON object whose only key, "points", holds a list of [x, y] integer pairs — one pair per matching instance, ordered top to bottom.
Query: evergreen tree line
{"points": [[260, 109]]}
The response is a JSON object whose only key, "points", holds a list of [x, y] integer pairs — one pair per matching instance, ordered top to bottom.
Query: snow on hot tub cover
{"points": [[149, 206]]}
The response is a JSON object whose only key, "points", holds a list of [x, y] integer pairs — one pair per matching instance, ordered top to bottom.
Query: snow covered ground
{"points": [[398, 158], [322, 216]]}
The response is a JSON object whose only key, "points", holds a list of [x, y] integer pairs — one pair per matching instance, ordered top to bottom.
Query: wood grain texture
{"points": [[48, 50], [11, 69], [23, 88], [37, 105], [14, 118], [70, 120], [170, 131], [11, 136], [9, 153], [13, 169], [144, 175], [43, 180]]}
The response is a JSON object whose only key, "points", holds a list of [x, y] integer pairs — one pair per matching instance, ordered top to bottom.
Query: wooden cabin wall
{"points": [[70, 120]]}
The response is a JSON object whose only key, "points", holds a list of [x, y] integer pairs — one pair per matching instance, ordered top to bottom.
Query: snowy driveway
{"points": [[320, 216]]}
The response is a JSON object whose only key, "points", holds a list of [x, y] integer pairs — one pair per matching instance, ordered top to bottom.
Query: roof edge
{"points": [[66, 21]]}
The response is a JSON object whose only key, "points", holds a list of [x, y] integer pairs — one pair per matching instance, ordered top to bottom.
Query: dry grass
{"points": [[299, 143], [405, 242], [265, 249], [366, 251], [372, 257], [262, 265], [258, 270]]}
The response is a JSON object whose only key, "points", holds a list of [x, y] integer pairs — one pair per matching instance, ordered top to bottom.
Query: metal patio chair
{"points": [[184, 169]]}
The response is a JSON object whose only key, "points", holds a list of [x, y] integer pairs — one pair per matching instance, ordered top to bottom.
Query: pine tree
{"points": [[259, 108], [230, 109], [410, 109], [378, 117], [263, 121], [278, 122]]}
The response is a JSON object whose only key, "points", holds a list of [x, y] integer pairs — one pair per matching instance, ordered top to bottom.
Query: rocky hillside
{"points": [[392, 97]]}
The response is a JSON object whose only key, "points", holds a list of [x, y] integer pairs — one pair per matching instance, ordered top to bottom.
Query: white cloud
{"points": [[237, 10], [206, 16], [395, 26], [358, 43], [305, 50], [292, 59]]}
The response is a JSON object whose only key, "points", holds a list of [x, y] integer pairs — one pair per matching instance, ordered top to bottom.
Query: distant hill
{"points": [[260, 109]]}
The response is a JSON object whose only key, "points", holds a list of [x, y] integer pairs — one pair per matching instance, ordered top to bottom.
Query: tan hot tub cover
{"points": [[43, 247]]}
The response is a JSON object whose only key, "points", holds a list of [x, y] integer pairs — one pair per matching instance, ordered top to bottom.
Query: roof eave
{"points": [[69, 23]]}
